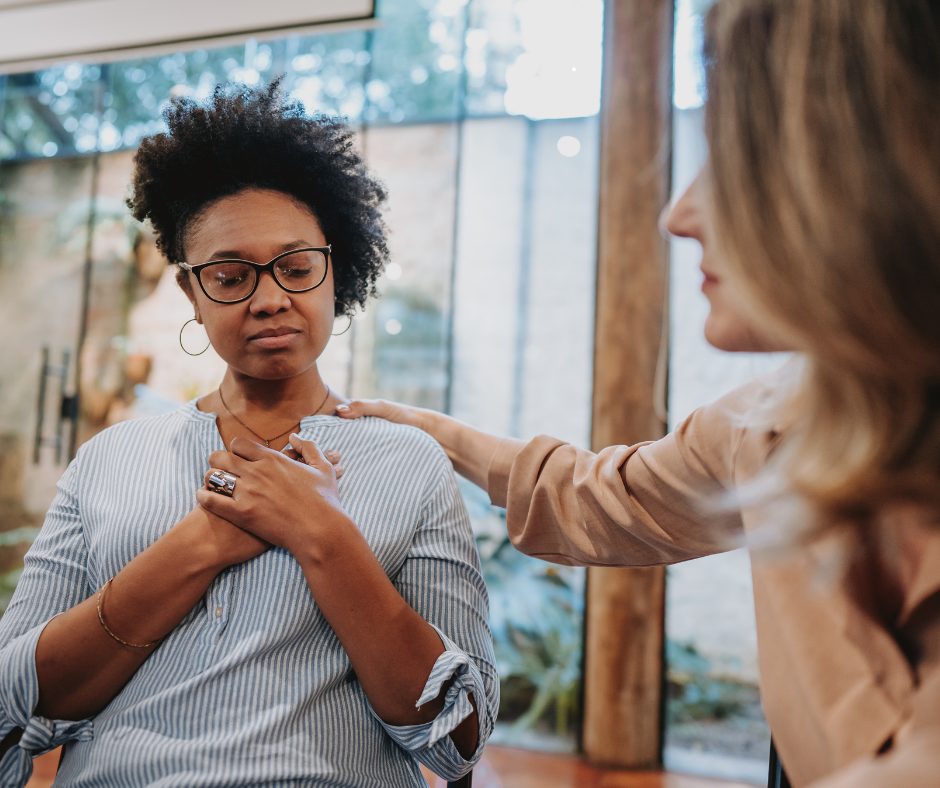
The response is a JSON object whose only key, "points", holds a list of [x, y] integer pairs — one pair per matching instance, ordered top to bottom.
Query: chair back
{"points": [[777, 777]]}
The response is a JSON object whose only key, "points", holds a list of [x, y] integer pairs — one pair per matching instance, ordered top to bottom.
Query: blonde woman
{"points": [[819, 219]]}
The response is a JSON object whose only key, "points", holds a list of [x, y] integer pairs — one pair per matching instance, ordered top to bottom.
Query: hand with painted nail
{"points": [[384, 409], [470, 450], [285, 502]]}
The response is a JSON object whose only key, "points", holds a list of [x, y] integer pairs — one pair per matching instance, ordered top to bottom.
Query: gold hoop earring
{"points": [[192, 319], [348, 325]]}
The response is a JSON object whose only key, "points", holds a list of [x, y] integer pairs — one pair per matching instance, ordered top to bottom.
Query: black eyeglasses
{"points": [[231, 281]]}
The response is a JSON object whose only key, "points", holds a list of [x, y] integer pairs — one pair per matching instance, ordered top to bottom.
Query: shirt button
{"points": [[218, 612]]}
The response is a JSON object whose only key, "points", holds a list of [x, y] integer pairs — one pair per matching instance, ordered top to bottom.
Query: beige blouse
{"points": [[842, 654]]}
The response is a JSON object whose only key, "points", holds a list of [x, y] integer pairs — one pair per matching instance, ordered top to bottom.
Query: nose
{"points": [[683, 217], [269, 298]]}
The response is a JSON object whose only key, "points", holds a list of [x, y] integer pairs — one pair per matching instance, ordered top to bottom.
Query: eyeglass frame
{"points": [[260, 269]]}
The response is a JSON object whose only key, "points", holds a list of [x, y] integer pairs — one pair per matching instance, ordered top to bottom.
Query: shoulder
{"points": [[753, 407], [737, 427], [131, 435], [397, 439], [395, 449]]}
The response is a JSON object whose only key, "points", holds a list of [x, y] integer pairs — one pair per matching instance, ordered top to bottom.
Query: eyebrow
{"points": [[236, 255]]}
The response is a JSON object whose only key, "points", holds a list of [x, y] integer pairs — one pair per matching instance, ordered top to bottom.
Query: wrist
{"points": [[427, 420], [328, 541], [200, 549]]}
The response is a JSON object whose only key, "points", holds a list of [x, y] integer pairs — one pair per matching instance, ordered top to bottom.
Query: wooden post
{"points": [[624, 622]]}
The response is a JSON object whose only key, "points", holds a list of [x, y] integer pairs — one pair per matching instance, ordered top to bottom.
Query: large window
{"points": [[481, 118], [714, 721]]}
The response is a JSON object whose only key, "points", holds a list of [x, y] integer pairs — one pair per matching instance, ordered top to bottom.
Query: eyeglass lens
{"points": [[232, 280]]}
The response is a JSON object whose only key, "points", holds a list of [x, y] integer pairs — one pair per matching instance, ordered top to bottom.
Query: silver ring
{"points": [[223, 483]]}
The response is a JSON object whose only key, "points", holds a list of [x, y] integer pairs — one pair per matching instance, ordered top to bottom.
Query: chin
{"points": [[733, 336], [730, 338], [271, 368]]}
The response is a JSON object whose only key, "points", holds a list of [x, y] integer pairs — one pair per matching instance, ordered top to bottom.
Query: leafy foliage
{"points": [[411, 68], [11, 577], [706, 711]]}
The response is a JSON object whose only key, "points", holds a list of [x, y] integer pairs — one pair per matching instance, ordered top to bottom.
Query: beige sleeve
{"points": [[648, 504]]}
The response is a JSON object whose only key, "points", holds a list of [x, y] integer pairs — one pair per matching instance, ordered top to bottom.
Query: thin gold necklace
{"points": [[267, 441]]}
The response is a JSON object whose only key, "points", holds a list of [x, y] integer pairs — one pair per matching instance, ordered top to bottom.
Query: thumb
{"points": [[370, 407], [354, 409], [308, 450]]}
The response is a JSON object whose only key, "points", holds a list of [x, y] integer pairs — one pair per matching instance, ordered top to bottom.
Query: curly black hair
{"points": [[252, 138]]}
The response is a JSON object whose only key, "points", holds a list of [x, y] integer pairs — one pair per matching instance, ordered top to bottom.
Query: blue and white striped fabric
{"points": [[262, 694]]}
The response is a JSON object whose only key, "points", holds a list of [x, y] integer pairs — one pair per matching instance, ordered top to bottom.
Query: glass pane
{"points": [[493, 44], [538, 58], [416, 68], [328, 73], [51, 113], [43, 230], [486, 309], [400, 343], [522, 351], [132, 364], [714, 721]]}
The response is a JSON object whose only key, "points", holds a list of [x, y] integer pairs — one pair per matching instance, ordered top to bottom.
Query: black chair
{"points": [[777, 777], [463, 782]]}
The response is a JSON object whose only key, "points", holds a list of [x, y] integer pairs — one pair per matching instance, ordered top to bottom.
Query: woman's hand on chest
{"points": [[287, 503], [227, 544]]}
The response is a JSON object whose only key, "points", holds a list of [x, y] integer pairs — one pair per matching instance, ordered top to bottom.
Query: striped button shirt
{"points": [[253, 687]]}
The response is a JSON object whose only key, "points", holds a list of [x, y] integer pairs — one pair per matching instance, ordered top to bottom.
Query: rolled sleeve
{"points": [[19, 695], [430, 742]]}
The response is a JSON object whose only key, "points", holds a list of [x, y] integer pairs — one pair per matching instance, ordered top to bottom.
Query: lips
{"points": [[709, 280], [274, 332], [274, 338]]}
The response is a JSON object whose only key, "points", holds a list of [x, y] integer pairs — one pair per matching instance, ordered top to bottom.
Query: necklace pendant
{"points": [[267, 444]]}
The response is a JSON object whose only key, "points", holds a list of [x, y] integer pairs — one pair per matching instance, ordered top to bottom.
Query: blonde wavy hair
{"points": [[823, 119]]}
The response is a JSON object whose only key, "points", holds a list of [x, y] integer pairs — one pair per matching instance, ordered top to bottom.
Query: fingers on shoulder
{"points": [[365, 407]]}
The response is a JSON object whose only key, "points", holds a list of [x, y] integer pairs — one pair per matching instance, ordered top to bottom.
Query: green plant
{"points": [[10, 578], [696, 695]]}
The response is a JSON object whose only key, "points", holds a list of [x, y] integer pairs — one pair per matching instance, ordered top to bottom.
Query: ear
{"points": [[183, 281]]}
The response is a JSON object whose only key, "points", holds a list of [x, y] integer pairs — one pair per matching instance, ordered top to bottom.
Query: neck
{"points": [[296, 396]]}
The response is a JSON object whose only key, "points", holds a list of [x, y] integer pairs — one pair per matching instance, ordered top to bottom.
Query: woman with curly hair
{"points": [[819, 220], [206, 604]]}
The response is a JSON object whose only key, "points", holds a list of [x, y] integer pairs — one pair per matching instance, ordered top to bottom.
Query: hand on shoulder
{"points": [[383, 409]]}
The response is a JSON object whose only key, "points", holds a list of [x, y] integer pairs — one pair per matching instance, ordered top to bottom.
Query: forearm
{"points": [[469, 449], [392, 649], [79, 666]]}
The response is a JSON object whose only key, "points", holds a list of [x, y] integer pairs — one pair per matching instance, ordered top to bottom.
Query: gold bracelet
{"points": [[122, 642]]}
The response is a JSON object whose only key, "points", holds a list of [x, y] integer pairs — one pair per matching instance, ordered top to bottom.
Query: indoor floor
{"points": [[504, 767]]}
